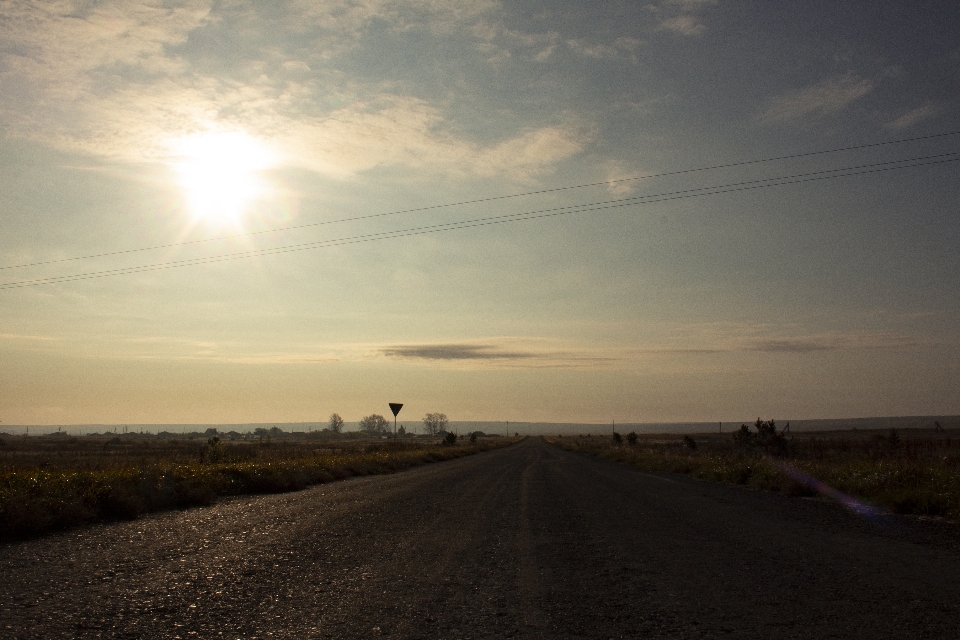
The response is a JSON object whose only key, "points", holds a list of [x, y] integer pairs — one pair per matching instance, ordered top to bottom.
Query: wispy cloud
{"points": [[681, 17], [685, 25], [619, 49], [116, 81], [828, 96], [912, 117], [19, 337], [731, 337], [830, 342], [790, 345], [174, 349]]}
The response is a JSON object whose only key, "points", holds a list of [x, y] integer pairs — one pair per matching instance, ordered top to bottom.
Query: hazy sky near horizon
{"points": [[251, 136]]}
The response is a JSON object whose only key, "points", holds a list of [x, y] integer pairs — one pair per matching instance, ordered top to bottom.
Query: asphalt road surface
{"points": [[524, 542]]}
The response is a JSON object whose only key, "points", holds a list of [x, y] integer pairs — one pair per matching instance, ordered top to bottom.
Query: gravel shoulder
{"points": [[528, 541]]}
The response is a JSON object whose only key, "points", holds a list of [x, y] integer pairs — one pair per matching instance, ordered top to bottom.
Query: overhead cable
{"points": [[678, 172], [748, 185]]}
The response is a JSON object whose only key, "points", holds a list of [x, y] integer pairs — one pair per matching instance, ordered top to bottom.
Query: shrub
{"points": [[742, 436], [766, 437], [450, 438], [617, 438], [632, 438], [893, 439], [690, 443], [774, 443], [213, 452]]}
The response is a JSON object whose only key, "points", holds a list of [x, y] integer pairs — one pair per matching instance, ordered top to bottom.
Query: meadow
{"points": [[915, 472], [56, 482]]}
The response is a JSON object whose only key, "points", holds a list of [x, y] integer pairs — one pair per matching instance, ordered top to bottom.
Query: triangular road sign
{"points": [[395, 407]]}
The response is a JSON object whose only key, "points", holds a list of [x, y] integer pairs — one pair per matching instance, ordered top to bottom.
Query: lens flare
{"points": [[851, 503]]}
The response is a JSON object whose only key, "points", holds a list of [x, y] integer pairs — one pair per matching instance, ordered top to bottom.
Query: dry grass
{"points": [[914, 472], [52, 483]]}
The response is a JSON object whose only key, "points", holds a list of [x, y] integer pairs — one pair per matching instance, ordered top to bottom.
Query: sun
{"points": [[221, 174]]}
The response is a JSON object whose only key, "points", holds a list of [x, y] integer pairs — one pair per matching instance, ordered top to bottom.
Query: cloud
{"points": [[681, 16], [338, 25], [685, 25], [619, 49], [115, 81], [828, 96], [912, 117], [402, 131], [530, 152], [619, 180], [19, 337], [730, 337], [708, 340], [830, 342], [791, 345], [452, 352], [500, 353]]}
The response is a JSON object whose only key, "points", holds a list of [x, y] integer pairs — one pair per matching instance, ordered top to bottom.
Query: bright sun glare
{"points": [[221, 174]]}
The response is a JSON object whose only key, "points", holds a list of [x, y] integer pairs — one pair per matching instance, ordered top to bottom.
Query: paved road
{"points": [[526, 542]]}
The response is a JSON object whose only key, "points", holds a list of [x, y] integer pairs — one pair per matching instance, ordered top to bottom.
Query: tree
{"points": [[336, 423], [434, 423], [374, 424], [766, 437]]}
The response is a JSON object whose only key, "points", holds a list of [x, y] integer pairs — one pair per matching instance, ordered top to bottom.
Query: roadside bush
{"points": [[742, 437], [450, 438], [617, 438], [632, 438], [765, 438], [893, 439], [690, 443], [213, 452]]}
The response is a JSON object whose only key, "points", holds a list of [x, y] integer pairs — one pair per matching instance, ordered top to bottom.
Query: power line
{"points": [[678, 172], [749, 185]]}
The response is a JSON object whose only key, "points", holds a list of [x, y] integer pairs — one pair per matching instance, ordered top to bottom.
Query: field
{"points": [[914, 472], [55, 482]]}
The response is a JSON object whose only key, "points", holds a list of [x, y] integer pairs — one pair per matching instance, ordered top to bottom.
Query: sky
{"points": [[681, 210]]}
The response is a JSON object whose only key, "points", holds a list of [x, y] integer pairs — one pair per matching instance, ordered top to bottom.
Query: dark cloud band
{"points": [[453, 352]]}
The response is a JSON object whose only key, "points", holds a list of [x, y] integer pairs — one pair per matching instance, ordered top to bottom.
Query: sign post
{"points": [[395, 407]]}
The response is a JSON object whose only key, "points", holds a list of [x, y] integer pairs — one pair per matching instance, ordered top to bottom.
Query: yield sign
{"points": [[395, 407]]}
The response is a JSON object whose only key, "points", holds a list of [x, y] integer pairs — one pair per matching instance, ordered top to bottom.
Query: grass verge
{"points": [[900, 474], [36, 499]]}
